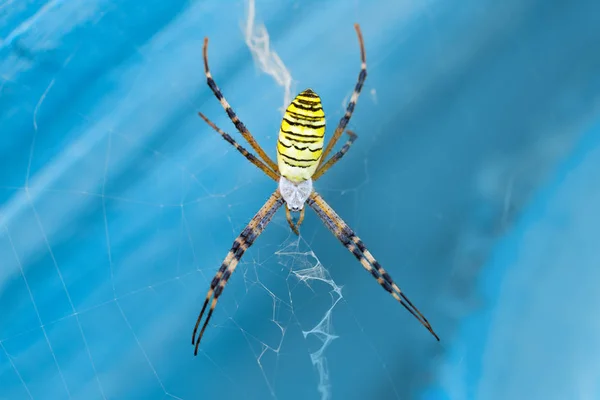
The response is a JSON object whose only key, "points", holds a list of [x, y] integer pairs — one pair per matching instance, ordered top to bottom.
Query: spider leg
{"points": [[350, 109], [231, 114], [249, 156], [336, 157], [300, 218], [353, 243], [240, 245], [371, 259]]}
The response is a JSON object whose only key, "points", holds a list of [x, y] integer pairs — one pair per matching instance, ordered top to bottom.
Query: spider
{"points": [[300, 161]]}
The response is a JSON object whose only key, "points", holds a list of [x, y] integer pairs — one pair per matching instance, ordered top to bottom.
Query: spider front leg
{"points": [[353, 99], [249, 156], [294, 226]]}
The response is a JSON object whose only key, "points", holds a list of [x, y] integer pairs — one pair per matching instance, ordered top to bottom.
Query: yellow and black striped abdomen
{"points": [[301, 135]]}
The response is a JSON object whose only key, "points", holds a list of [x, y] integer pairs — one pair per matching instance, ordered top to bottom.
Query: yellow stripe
{"points": [[303, 127], [312, 146]]}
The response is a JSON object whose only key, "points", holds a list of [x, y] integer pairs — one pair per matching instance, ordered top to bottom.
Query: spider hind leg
{"points": [[252, 231], [354, 244]]}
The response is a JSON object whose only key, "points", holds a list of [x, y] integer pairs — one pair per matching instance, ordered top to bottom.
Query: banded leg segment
{"points": [[350, 109], [232, 115], [249, 156], [336, 157], [353, 243], [240, 245], [361, 246]]}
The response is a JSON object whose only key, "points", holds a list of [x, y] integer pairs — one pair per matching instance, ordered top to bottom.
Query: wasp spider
{"points": [[300, 161]]}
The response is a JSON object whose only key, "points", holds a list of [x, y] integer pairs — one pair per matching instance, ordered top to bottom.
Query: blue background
{"points": [[474, 181]]}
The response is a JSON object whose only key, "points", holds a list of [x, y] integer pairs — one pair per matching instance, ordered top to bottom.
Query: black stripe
{"points": [[361, 78], [213, 86], [309, 93], [307, 102], [303, 106], [351, 106], [230, 113], [308, 118], [304, 125], [301, 134], [291, 139], [287, 147], [301, 148], [310, 160], [296, 166], [238, 253], [227, 274], [387, 277], [217, 279], [218, 291]]}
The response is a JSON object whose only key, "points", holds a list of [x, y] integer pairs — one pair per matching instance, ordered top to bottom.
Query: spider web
{"points": [[118, 204], [304, 265]]}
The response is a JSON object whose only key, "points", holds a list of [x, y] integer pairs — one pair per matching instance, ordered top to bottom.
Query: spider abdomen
{"points": [[301, 135]]}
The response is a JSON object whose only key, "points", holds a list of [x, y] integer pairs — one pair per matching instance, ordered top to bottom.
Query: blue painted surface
{"points": [[473, 182]]}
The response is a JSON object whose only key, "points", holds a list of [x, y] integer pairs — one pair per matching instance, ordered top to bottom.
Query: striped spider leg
{"points": [[249, 156], [337, 156], [352, 242], [240, 245]]}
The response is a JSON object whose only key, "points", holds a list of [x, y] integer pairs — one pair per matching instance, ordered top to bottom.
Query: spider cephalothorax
{"points": [[300, 158], [295, 194]]}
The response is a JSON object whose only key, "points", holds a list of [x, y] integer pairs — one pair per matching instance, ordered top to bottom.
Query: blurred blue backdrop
{"points": [[474, 181]]}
